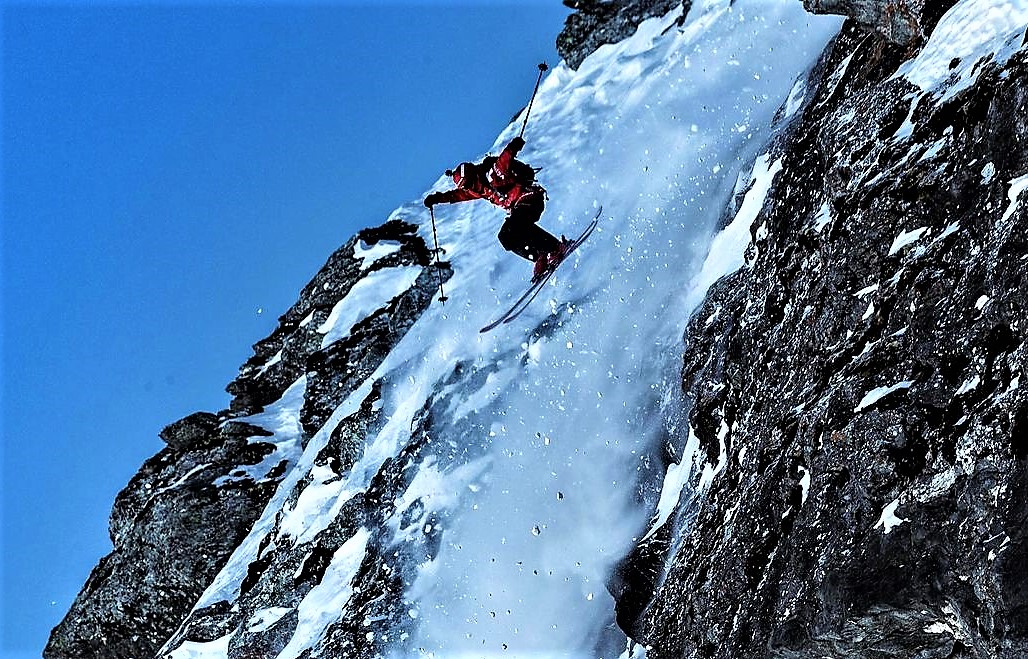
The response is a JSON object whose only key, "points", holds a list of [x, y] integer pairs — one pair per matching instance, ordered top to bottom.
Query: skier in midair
{"points": [[510, 184]]}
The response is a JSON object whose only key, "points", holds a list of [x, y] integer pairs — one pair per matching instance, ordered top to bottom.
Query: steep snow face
{"points": [[657, 129], [542, 430]]}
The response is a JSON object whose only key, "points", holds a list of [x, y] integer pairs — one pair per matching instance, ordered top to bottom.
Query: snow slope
{"points": [[543, 433]]}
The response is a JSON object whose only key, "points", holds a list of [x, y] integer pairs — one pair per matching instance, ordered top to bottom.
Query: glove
{"points": [[517, 143], [432, 199]]}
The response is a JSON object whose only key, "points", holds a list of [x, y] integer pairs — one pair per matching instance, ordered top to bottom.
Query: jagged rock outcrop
{"points": [[599, 22], [901, 22], [856, 388], [189, 507]]}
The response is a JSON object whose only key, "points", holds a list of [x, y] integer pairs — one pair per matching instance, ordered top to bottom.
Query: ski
{"points": [[526, 298]]}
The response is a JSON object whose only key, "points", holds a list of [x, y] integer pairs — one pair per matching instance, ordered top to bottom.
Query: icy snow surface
{"points": [[968, 32], [534, 488]]}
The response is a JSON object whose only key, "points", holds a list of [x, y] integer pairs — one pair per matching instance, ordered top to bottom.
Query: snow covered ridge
{"points": [[856, 387]]}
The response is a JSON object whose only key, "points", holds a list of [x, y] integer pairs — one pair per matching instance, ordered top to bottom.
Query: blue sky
{"points": [[170, 171]]}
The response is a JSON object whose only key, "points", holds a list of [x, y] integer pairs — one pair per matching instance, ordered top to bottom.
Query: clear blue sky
{"points": [[169, 170]]}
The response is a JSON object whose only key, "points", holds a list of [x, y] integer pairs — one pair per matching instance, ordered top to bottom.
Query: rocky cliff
{"points": [[856, 388], [830, 464]]}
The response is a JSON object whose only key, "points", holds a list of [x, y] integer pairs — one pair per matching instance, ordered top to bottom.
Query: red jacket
{"points": [[491, 180]]}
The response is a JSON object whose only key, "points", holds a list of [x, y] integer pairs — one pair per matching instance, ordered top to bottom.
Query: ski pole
{"points": [[542, 69], [435, 239]]}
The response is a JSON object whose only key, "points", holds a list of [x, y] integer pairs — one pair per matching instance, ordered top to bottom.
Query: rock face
{"points": [[599, 22], [901, 22], [856, 388], [190, 506]]}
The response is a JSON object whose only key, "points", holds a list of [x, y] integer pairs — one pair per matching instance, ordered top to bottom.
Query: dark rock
{"points": [[599, 22], [901, 22], [282, 357], [334, 372], [190, 431], [843, 524]]}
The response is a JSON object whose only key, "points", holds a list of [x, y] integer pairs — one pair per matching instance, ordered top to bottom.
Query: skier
{"points": [[510, 184]]}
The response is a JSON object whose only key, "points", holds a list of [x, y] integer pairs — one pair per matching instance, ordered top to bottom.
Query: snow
{"points": [[970, 31], [796, 97], [660, 115], [935, 149], [988, 173], [1017, 186], [823, 217], [950, 229], [906, 238], [727, 250], [368, 254], [866, 291], [367, 296], [271, 362], [969, 385], [878, 393], [282, 419], [182, 481], [675, 481], [804, 483], [888, 521], [324, 603], [265, 619], [216, 649]]}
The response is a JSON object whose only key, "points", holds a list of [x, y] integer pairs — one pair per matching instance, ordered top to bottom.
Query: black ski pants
{"points": [[520, 232]]}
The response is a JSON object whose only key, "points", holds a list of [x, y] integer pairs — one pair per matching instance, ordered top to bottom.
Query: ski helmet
{"points": [[463, 171]]}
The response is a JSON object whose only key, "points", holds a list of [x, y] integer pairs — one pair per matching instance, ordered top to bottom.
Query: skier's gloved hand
{"points": [[517, 143], [432, 199]]}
